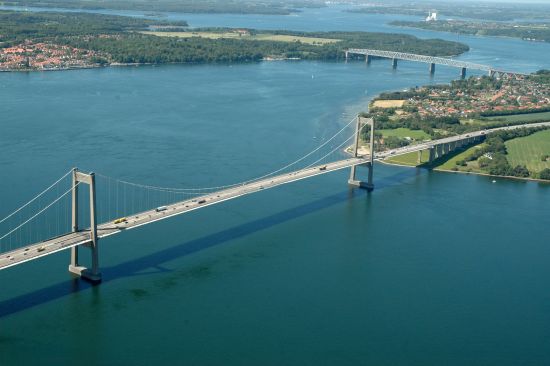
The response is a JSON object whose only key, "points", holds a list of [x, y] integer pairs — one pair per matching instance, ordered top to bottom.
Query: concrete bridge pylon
{"points": [[369, 185], [93, 274]]}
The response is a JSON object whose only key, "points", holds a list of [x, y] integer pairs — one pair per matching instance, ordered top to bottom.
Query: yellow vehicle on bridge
{"points": [[120, 220]]}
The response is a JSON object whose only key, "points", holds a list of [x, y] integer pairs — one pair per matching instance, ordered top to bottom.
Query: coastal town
{"points": [[31, 55], [482, 96], [462, 105]]}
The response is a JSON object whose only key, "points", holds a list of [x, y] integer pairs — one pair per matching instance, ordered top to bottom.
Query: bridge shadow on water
{"points": [[155, 260]]}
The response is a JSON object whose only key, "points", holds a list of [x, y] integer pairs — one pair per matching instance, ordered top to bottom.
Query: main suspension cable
{"points": [[190, 190], [36, 197]]}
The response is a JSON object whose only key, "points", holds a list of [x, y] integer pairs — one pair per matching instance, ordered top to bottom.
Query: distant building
{"points": [[432, 17]]}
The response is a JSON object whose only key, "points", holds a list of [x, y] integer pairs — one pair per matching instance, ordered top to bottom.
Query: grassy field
{"points": [[256, 37], [389, 103], [521, 117], [405, 132], [528, 151], [451, 163]]}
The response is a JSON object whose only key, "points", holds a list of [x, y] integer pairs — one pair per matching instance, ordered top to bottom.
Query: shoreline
{"points": [[136, 64], [55, 69], [495, 176], [538, 180]]}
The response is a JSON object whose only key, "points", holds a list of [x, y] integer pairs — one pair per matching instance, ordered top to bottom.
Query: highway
{"points": [[39, 250]]}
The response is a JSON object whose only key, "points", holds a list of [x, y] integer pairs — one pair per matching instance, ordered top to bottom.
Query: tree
{"points": [[393, 142], [483, 162], [520, 171], [545, 174]]}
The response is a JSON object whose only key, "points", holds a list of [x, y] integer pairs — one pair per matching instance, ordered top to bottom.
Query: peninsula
{"points": [[538, 32], [55, 41], [479, 103]]}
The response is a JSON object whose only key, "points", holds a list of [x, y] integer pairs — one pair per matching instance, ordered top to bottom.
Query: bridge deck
{"points": [[54, 245]]}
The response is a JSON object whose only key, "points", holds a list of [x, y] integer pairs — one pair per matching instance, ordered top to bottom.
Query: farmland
{"points": [[247, 36], [528, 117], [529, 150]]}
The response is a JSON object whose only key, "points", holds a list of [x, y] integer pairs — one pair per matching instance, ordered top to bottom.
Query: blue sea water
{"points": [[429, 269]]}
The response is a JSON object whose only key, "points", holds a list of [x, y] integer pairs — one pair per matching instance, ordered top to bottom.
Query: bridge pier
{"points": [[368, 59], [394, 63], [432, 68], [463, 73], [446, 148], [440, 150], [432, 154], [419, 158], [369, 185], [93, 274]]}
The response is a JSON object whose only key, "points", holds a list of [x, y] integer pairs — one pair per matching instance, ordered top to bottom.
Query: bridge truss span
{"points": [[432, 60]]}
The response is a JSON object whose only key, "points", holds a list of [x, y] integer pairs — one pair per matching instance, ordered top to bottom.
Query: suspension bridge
{"points": [[431, 60], [66, 217]]}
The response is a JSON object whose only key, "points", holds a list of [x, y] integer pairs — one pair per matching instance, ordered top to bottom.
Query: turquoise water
{"points": [[504, 53], [429, 269]]}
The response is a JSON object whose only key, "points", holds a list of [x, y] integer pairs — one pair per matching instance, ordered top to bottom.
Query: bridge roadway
{"points": [[427, 59], [70, 240], [38, 250]]}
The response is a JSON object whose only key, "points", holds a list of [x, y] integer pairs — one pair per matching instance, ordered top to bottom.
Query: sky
{"points": [[517, 2]]}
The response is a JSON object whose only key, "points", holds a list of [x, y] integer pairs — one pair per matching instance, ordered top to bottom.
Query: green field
{"points": [[255, 37], [529, 117], [405, 132], [528, 151], [410, 159]]}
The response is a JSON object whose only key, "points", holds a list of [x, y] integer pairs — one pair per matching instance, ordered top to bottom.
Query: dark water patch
{"points": [[139, 293]]}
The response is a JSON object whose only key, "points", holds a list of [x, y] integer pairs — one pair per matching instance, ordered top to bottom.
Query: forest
{"points": [[16, 27]]}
